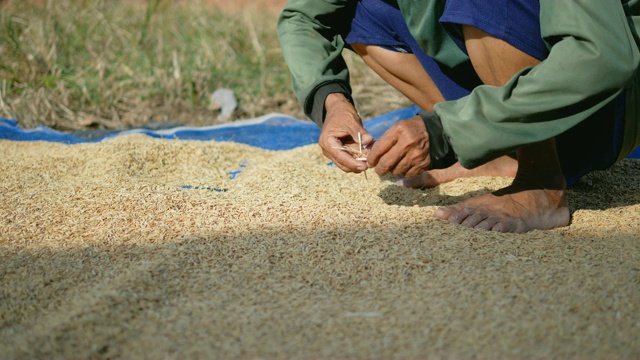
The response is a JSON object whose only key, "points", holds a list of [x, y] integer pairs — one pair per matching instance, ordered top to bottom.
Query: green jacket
{"points": [[594, 56]]}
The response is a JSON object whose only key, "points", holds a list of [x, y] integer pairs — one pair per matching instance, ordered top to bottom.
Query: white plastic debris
{"points": [[224, 100]]}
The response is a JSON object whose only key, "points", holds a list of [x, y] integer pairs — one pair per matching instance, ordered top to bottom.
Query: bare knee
{"points": [[495, 61]]}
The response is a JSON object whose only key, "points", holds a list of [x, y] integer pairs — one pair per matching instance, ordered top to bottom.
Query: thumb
{"points": [[360, 134], [366, 138]]}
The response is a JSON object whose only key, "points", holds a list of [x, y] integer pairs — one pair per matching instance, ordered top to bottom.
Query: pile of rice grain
{"points": [[140, 247]]}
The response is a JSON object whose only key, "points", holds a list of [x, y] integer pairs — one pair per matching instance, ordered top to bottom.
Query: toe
{"points": [[410, 182], [417, 182], [444, 212], [459, 215], [473, 219], [487, 224], [510, 226]]}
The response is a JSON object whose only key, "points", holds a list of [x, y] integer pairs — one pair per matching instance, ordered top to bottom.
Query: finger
{"points": [[362, 140], [359, 143], [380, 148], [342, 159], [345, 161], [389, 161], [407, 162], [404, 167], [417, 167], [415, 171]]}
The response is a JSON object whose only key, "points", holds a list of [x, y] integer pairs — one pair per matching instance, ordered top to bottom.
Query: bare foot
{"points": [[502, 166], [513, 209]]}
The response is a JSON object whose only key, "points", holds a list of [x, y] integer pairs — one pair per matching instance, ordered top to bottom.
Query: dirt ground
{"points": [[233, 5]]}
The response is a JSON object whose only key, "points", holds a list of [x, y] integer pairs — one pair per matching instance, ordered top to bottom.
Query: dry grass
{"points": [[119, 64]]}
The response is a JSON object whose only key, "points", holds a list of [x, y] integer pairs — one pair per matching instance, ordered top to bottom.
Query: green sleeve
{"points": [[311, 36], [593, 57]]}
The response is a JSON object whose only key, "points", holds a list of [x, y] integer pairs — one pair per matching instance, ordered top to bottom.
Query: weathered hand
{"points": [[341, 127], [403, 150]]}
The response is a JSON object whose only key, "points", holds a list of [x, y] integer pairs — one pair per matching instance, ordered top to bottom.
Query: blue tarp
{"points": [[271, 132]]}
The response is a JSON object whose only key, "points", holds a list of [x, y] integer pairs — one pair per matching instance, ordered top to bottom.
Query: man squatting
{"points": [[544, 91]]}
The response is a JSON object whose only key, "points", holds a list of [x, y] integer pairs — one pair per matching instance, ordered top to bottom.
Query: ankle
{"points": [[539, 167], [540, 180]]}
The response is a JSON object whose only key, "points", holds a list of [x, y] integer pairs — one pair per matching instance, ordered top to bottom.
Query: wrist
{"points": [[334, 99], [315, 104], [339, 108], [440, 149]]}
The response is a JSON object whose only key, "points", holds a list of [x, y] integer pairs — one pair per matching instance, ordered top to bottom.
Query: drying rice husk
{"points": [[146, 248]]}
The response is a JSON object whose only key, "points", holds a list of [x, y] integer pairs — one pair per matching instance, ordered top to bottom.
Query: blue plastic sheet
{"points": [[270, 132]]}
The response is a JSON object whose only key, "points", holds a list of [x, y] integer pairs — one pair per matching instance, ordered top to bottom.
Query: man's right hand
{"points": [[341, 127]]}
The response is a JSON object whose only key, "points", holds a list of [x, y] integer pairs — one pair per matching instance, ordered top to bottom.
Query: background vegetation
{"points": [[108, 64]]}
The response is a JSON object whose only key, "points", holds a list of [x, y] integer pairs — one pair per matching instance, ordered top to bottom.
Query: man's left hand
{"points": [[403, 150]]}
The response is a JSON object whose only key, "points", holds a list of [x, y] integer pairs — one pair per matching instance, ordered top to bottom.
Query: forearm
{"points": [[310, 33]]}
